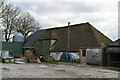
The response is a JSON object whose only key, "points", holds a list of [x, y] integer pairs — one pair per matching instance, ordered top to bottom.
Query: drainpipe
{"points": [[68, 36]]}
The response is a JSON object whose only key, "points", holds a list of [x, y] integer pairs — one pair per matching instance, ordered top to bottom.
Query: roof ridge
{"points": [[66, 26]]}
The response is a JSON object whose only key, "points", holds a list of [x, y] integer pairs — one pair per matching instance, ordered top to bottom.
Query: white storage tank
{"points": [[18, 37]]}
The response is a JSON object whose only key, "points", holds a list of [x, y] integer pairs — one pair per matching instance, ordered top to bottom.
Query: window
{"points": [[52, 42], [83, 53]]}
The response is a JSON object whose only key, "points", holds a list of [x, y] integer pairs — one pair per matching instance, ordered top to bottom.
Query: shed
{"points": [[12, 47], [111, 55]]}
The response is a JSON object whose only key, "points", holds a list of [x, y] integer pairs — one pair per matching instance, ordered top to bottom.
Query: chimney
{"points": [[68, 23]]}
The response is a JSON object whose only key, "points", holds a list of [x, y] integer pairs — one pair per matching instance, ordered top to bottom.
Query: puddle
{"points": [[43, 66], [5, 69], [61, 70]]}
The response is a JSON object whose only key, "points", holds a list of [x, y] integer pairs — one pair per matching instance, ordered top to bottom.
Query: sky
{"points": [[102, 14]]}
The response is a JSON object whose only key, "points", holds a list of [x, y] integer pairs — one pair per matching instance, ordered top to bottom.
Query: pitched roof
{"points": [[81, 35], [71, 38], [30, 40], [115, 43]]}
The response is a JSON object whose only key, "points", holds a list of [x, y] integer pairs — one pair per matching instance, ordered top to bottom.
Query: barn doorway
{"points": [[83, 56]]}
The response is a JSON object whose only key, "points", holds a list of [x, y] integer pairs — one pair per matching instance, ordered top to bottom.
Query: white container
{"points": [[4, 53]]}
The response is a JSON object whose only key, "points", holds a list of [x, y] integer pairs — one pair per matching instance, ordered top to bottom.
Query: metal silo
{"points": [[18, 37]]}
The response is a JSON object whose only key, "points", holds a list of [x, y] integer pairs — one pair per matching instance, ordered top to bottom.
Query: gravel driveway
{"points": [[56, 71]]}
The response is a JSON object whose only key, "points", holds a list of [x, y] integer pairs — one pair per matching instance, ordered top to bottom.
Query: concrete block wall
{"points": [[94, 56]]}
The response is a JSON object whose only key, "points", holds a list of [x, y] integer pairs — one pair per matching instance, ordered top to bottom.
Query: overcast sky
{"points": [[102, 14]]}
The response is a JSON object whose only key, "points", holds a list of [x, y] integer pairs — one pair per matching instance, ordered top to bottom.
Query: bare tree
{"points": [[1, 10], [9, 14], [13, 20], [26, 24]]}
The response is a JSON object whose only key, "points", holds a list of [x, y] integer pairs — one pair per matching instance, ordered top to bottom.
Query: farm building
{"points": [[73, 38], [34, 44], [12, 48], [111, 55]]}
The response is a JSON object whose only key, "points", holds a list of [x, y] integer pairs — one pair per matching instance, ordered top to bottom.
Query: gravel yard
{"points": [[56, 71]]}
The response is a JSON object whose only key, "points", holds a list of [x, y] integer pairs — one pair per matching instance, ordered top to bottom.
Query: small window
{"points": [[52, 42], [83, 53]]}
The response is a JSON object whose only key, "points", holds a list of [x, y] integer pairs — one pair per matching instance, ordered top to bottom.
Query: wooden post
{"points": [[80, 55], [108, 59]]}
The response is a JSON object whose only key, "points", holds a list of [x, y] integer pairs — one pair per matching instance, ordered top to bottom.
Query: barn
{"points": [[68, 39]]}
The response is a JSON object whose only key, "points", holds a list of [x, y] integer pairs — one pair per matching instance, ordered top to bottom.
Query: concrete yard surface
{"points": [[56, 71]]}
